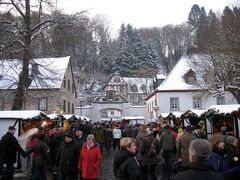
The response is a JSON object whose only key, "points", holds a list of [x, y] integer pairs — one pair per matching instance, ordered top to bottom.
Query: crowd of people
{"points": [[142, 151]]}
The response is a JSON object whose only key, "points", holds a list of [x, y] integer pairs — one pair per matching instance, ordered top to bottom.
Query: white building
{"points": [[180, 91]]}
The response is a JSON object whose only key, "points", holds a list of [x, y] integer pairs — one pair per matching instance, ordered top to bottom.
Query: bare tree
{"points": [[23, 31], [220, 62]]}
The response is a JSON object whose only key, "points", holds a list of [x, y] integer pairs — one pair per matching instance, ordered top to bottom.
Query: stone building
{"points": [[52, 88], [123, 96]]}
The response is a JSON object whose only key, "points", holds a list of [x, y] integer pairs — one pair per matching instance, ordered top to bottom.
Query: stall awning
{"points": [[228, 108], [21, 114]]}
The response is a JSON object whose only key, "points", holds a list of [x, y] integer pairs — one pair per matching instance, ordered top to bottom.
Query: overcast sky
{"points": [[141, 13]]}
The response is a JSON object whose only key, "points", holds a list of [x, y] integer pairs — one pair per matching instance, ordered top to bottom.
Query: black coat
{"points": [[81, 140], [9, 148], [68, 156], [125, 166], [200, 170]]}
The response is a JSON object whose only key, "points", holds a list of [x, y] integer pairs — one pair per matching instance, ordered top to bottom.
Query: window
{"points": [[116, 79], [191, 79], [64, 82], [69, 84], [73, 88], [134, 88], [144, 88], [110, 95], [220, 100], [197, 103], [1, 104], [43, 104], [174, 104], [64, 105], [68, 107], [72, 108], [112, 112]]}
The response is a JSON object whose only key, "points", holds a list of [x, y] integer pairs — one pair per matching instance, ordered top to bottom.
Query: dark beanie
{"points": [[69, 134]]}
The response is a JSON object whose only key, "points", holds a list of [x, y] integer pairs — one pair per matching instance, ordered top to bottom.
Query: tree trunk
{"points": [[24, 80], [236, 94]]}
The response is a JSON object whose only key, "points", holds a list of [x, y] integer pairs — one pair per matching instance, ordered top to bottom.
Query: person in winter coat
{"points": [[128, 131], [98, 133], [117, 135], [35, 137], [80, 137], [108, 138], [139, 141], [54, 144], [167, 145], [183, 146], [9, 149], [150, 151], [231, 151], [39, 155], [68, 156], [232, 156], [217, 157], [90, 159], [125, 164], [199, 168]]}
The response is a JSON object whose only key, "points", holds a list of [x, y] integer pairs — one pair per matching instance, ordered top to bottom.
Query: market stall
{"points": [[192, 117], [173, 118], [222, 119], [23, 121]]}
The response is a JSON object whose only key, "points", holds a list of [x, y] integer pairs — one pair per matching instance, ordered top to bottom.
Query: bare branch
{"points": [[17, 8]]}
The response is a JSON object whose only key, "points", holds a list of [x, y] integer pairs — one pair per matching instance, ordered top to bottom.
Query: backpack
{"points": [[152, 151]]}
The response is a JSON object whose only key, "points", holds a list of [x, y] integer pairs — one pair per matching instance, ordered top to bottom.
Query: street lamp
{"points": [[81, 101]]}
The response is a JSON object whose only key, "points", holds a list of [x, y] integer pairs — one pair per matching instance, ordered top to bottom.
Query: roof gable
{"points": [[46, 72], [176, 78], [142, 85]]}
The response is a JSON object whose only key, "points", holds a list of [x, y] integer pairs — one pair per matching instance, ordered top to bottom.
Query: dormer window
{"points": [[190, 77], [191, 80], [134, 88]]}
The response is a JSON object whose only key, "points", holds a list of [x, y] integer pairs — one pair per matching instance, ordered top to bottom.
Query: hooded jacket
{"points": [[125, 166]]}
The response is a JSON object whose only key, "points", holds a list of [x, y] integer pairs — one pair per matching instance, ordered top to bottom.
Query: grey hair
{"points": [[91, 136], [230, 140], [200, 149]]}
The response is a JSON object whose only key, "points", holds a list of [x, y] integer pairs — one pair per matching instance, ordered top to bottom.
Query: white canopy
{"points": [[228, 108], [21, 114], [133, 117]]}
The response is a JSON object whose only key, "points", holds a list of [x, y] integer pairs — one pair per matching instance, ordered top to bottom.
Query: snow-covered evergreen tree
{"points": [[134, 54]]}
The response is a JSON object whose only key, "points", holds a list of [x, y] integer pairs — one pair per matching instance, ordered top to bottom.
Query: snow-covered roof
{"points": [[48, 74], [161, 76], [175, 79], [139, 82], [228, 108], [198, 112], [175, 113], [21, 114], [164, 115], [52, 116], [68, 116], [133, 117], [82, 118]]}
